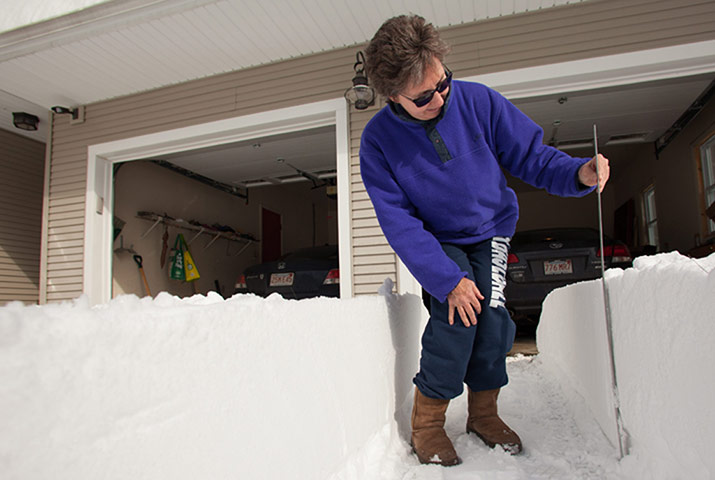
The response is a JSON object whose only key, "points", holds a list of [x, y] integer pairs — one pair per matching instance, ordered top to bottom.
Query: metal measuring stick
{"points": [[622, 435]]}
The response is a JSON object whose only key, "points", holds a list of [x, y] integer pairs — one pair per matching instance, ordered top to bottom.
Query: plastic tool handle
{"points": [[138, 259]]}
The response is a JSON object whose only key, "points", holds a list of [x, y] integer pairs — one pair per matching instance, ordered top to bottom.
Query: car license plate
{"points": [[558, 267], [281, 279]]}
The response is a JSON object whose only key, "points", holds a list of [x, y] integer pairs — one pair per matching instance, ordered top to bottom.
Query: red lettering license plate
{"points": [[558, 267], [281, 279]]}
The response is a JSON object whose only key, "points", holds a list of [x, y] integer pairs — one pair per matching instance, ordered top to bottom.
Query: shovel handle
{"points": [[138, 259]]}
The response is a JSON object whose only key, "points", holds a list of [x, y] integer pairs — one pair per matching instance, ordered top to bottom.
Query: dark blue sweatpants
{"points": [[453, 355]]}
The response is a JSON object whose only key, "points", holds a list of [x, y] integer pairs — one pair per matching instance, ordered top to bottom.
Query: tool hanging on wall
{"points": [[164, 246], [137, 259], [176, 261], [139, 262], [181, 263], [192, 273], [622, 434]]}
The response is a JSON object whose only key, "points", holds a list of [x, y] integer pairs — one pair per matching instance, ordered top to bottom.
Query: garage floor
{"points": [[525, 345]]}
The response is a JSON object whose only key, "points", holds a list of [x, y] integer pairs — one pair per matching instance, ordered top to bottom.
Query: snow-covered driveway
{"points": [[560, 441]]}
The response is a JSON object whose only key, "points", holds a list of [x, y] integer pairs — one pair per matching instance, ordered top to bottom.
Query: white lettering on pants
{"points": [[500, 253]]}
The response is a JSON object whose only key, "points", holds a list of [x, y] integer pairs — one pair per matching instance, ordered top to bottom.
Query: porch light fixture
{"points": [[360, 94], [66, 111], [25, 121]]}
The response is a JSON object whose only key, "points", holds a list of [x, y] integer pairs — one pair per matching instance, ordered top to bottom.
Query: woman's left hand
{"points": [[587, 173]]}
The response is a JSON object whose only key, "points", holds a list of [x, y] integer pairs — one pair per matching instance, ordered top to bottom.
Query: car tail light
{"points": [[618, 253], [512, 258], [333, 277], [241, 282]]}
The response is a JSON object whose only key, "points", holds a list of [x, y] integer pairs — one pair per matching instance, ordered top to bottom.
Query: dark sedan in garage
{"points": [[543, 260], [305, 273]]}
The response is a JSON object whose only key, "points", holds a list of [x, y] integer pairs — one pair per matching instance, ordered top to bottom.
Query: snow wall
{"points": [[663, 317], [200, 387], [269, 388]]}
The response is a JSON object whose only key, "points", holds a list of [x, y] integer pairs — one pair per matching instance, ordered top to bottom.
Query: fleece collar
{"points": [[402, 114]]}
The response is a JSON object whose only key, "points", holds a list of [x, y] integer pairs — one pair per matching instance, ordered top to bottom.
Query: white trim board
{"points": [[601, 72], [97, 283]]}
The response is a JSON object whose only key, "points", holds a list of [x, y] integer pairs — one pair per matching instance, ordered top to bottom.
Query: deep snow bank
{"points": [[663, 313], [198, 388], [319, 389]]}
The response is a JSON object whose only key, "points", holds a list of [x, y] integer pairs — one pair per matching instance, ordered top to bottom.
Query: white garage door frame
{"points": [[602, 72], [590, 74], [98, 238]]}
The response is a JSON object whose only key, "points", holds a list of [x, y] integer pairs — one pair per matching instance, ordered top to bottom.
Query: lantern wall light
{"points": [[360, 94], [66, 111], [76, 113], [25, 121]]}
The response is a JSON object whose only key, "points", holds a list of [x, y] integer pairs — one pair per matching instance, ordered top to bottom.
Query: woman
{"points": [[432, 161]]}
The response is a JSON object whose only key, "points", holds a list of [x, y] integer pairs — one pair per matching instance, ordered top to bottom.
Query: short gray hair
{"points": [[400, 53]]}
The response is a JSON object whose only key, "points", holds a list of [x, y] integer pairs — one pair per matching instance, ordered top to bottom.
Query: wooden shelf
{"points": [[199, 229]]}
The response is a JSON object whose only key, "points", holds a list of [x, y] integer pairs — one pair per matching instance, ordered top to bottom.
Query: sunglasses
{"points": [[423, 100]]}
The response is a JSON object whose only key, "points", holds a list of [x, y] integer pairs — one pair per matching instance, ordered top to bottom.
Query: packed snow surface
{"points": [[663, 322], [256, 388]]}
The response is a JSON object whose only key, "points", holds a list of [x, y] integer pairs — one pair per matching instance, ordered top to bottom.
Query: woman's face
{"points": [[433, 76]]}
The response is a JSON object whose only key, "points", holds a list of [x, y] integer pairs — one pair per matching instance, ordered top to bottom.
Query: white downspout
{"points": [[45, 235]]}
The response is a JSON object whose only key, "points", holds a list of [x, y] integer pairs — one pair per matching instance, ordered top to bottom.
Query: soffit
{"points": [[123, 47]]}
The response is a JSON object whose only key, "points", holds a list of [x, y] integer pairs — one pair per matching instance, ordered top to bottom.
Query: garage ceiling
{"points": [[635, 113], [264, 161]]}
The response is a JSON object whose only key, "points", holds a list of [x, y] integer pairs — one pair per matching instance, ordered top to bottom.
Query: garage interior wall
{"points": [[555, 35], [22, 172], [674, 173], [678, 185], [144, 186], [562, 212]]}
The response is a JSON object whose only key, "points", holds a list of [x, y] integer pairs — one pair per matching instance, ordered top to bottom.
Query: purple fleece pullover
{"points": [[442, 181]]}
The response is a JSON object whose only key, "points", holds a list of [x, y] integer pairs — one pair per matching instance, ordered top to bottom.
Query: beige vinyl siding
{"points": [[575, 32], [558, 34], [295, 82], [22, 163], [373, 259]]}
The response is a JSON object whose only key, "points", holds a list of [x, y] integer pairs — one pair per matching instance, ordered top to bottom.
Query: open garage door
{"points": [[180, 174], [651, 204], [236, 205]]}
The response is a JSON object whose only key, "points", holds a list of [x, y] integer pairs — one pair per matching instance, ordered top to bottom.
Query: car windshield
{"points": [[561, 235], [327, 252]]}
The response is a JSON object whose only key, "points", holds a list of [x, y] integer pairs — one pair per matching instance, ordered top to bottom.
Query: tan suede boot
{"points": [[486, 424], [429, 440]]}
